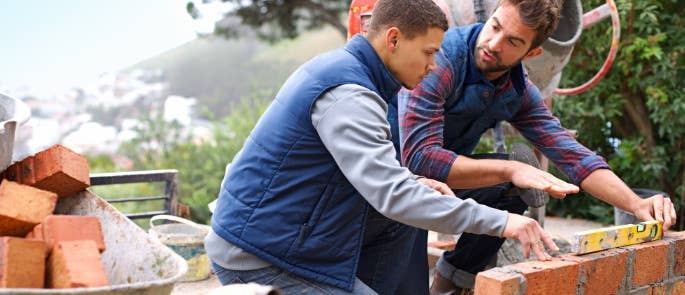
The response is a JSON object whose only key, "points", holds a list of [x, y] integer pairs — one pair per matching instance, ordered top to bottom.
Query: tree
{"points": [[277, 19], [634, 117], [200, 161]]}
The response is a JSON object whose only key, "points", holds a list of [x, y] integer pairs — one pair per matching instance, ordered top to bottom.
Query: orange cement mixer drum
{"points": [[360, 10]]}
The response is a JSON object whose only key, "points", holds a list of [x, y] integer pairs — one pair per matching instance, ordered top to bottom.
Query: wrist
{"points": [[509, 170]]}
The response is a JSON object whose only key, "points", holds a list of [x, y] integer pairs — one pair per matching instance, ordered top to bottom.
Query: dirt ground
{"points": [[560, 227]]}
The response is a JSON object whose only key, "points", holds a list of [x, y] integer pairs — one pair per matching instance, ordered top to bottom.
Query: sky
{"points": [[52, 45]]}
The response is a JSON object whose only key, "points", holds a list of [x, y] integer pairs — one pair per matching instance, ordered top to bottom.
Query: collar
{"points": [[473, 75], [386, 84]]}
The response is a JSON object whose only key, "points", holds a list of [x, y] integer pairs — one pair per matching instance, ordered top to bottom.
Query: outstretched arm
{"points": [[421, 117], [584, 167], [606, 186]]}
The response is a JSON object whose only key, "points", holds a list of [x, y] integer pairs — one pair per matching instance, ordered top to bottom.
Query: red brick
{"points": [[61, 170], [26, 171], [12, 172], [23, 207], [57, 228], [36, 233], [442, 245], [679, 250], [22, 263], [650, 263], [75, 264], [602, 272], [548, 277], [499, 281], [678, 288], [657, 290]]}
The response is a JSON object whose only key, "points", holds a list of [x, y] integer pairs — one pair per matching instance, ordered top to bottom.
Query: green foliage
{"points": [[276, 19], [634, 117], [200, 161], [101, 163]]}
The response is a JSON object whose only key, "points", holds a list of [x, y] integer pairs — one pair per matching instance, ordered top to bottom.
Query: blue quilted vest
{"points": [[283, 198]]}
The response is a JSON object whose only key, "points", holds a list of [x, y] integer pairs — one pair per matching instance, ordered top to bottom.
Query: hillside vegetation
{"points": [[220, 72]]}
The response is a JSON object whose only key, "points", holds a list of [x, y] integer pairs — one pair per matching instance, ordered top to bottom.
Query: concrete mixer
{"points": [[544, 70]]}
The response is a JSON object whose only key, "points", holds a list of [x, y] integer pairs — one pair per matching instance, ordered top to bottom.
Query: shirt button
{"points": [[486, 94]]}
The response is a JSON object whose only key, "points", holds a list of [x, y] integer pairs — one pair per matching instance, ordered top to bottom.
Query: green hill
{"points": [[220, 72]]}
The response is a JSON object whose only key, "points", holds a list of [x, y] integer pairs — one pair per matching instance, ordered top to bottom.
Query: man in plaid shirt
{"points": [[479, 81]]}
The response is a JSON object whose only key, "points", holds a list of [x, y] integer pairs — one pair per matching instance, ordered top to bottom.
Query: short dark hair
{"points": [[540, 15], [412, 17]]}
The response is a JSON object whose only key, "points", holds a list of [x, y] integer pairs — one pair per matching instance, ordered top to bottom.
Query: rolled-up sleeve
{"points": [[422, 123], [537, 124]]}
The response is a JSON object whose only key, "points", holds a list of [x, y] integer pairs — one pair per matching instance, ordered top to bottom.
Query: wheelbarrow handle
{"points": [[173, 218]]}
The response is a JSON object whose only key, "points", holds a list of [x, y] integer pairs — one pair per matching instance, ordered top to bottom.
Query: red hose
{"points": [[616, 25]]}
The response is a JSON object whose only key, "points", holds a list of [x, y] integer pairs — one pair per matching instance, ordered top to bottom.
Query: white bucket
{"points": [[186, 238]]}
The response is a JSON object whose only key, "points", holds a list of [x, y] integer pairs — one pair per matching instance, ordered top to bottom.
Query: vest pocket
{"points": [[315, 215], [304, 231]]}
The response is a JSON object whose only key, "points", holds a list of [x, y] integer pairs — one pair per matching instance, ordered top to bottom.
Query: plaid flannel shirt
{"points": [[432, 134]]}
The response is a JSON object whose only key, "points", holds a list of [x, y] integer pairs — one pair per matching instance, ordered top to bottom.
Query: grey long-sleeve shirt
{"points": [[351, 122]]}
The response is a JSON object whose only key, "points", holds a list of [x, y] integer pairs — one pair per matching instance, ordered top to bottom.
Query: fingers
{"points": [[531, 177], [562, 185], [437, 186], [444, 189], [658, 207], [662, 209], [668, 213], [673, 215], [531, 236], [547, 239], [528, 243], [538, 247], [540, 252]]}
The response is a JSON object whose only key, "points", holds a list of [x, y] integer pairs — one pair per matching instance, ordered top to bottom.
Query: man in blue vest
{"points": [[479, 81], [304, 206]]}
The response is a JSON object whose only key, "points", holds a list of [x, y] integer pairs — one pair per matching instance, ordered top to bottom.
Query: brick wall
{"points": [[651, 268]]}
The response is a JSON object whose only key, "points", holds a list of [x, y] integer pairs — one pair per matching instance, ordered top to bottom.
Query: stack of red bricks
{"points": [[37, 248], [651, 268]]}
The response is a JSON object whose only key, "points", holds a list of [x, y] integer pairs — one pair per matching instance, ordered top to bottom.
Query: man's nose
{"points": [[495, 44], [432, 65]]}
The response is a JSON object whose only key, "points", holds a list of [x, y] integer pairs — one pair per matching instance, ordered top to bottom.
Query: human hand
{"points": [[527, 176], [437, 185], [658, 208], [531, 235]]}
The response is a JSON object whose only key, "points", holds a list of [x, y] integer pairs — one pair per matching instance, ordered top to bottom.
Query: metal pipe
{"points": [[596, 15], [616, 24]]}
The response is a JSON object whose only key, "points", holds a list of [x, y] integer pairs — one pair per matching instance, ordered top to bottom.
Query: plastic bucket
{"points": [[186, 238]]}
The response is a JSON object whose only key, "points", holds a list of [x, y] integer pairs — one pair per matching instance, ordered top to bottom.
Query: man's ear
{"points": [[392, 37], [533, 53]]}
